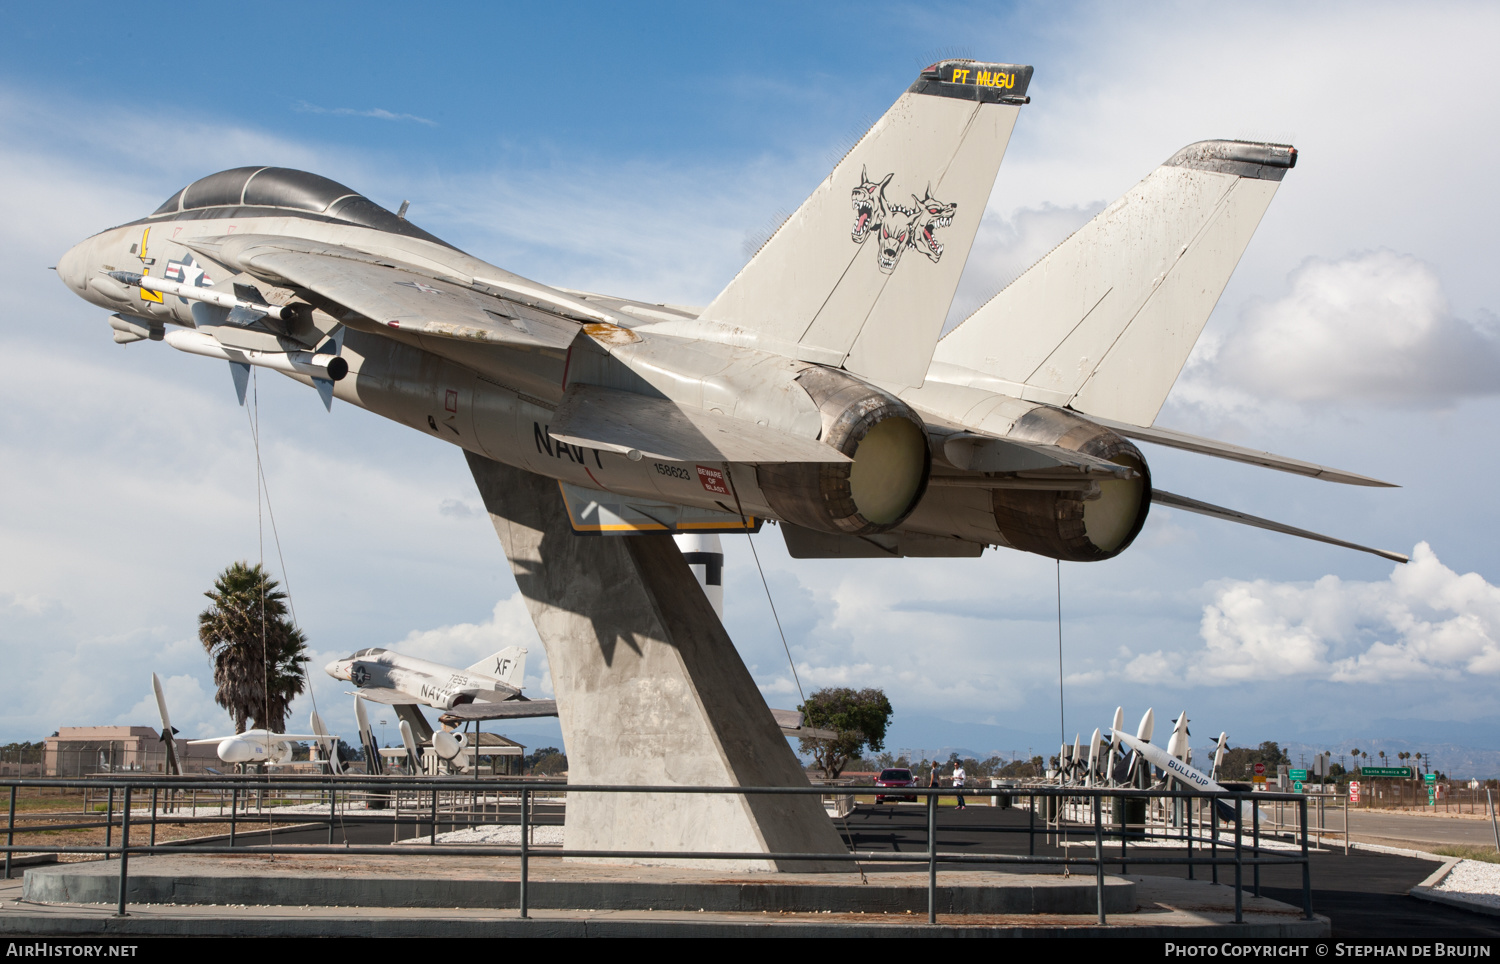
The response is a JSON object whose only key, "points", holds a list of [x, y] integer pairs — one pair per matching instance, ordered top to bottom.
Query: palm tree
{"points": [[256, 651]]}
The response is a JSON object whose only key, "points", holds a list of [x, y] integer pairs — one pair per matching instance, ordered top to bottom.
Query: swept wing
{"points": [[389, 292]]}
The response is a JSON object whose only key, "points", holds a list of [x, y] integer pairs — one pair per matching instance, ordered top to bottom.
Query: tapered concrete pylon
{"points": [[650, 691]]}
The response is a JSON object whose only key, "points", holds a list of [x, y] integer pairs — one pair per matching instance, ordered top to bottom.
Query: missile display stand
{"points": [[650, 692]]}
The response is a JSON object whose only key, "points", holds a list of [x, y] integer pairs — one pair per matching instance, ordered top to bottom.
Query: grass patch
{"points": [[1468, 852]]}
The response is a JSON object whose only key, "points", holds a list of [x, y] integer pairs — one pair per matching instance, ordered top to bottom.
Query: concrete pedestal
{"points": [[650, 691]]}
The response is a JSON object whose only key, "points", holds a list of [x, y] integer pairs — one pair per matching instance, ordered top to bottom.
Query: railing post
{"points": [[1189, 804], [333, 808], [234, 809], [432, 813], [153, 816], [109, 820], [1031, 827], [10, 830], [1213, 838], [1255, 844], [1099, 852], [124, 853], [525, 855], [932, 856], [1239, 860], [1306, 867]]}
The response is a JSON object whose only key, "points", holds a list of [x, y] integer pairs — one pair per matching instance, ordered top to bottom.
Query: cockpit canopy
{"points": [[281, 187], [372, 651]]}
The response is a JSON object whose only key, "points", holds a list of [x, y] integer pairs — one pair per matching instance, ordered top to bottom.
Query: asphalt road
{"points": [[1414, 830], [1363, 894]]}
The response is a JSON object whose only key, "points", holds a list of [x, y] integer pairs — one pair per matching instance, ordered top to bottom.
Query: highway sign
{"points": [[1398, 773], [1298, 775], [1430, 778], [1296, 785]]}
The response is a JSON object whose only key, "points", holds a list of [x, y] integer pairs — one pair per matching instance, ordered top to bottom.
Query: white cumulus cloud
{"points": [[1374, 326], [1424, 622]]}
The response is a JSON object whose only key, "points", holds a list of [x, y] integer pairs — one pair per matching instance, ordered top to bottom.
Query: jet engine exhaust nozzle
{"points": [[886, 479]]}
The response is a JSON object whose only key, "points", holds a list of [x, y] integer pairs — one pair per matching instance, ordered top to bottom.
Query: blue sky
{"points": [[640, 150]]}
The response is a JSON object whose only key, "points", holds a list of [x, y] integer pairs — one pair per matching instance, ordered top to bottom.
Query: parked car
{"points": [[894, 777]]}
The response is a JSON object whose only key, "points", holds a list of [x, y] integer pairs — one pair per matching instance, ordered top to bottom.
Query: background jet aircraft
{"points": [[813, 390], [488, 690]]}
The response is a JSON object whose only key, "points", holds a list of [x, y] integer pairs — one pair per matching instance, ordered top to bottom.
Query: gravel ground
{"points": [[543, 836], [1475, 879]]}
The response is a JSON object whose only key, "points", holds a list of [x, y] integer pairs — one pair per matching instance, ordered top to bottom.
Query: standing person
{"points": [[933, 780], [958, 782]]}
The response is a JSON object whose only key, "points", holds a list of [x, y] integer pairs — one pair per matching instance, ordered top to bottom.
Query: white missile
{"points": [[289, 315], [194, 342], [705, 557], [1148, 723], [1117, 726], [168, 731], [1177, 743], [1094, 745], [326, 746], [1219, 753], [1160, 758], [413, 760], [373, 762]]}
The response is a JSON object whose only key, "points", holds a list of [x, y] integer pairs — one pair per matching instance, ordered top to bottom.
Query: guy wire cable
{"points": [[745, 522]]}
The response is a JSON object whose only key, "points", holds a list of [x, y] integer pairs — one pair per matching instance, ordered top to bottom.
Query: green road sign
{"points": [[1399, 773], [1298, 775], [1430, 778], [1296, 785]]}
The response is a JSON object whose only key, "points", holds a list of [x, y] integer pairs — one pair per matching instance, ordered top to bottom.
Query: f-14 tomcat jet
{"points": [[814, 390]]}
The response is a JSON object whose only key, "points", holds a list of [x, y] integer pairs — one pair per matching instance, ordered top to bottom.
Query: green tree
{"points": [[256, 651], [859, 717]]}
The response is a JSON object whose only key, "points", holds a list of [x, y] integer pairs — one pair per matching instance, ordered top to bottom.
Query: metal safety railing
{"points": [[1209, 827]]}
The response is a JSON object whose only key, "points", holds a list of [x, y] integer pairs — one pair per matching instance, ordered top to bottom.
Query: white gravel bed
{"points": [[544, 836], [1474, 879]]}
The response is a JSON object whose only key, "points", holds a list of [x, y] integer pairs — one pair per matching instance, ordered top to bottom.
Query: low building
{"points": [[81, 750]]}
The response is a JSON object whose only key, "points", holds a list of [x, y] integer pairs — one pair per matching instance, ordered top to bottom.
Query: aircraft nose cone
{"points": [[73, 267], [338, 669], [235, 751]]}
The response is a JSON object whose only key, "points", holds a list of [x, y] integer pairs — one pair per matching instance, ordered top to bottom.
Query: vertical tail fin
{"points": [[835, 284], [1106, 320], [508, 666]]}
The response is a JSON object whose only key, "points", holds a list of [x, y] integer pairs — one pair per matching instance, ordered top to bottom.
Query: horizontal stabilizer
{"points": [[407, 300], [658, 428], [1235, 453], [1219, 512], [508, 710], [792, 723]]}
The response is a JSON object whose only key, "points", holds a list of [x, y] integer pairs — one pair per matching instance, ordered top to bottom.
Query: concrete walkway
{"points": [[1166, 908]]}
